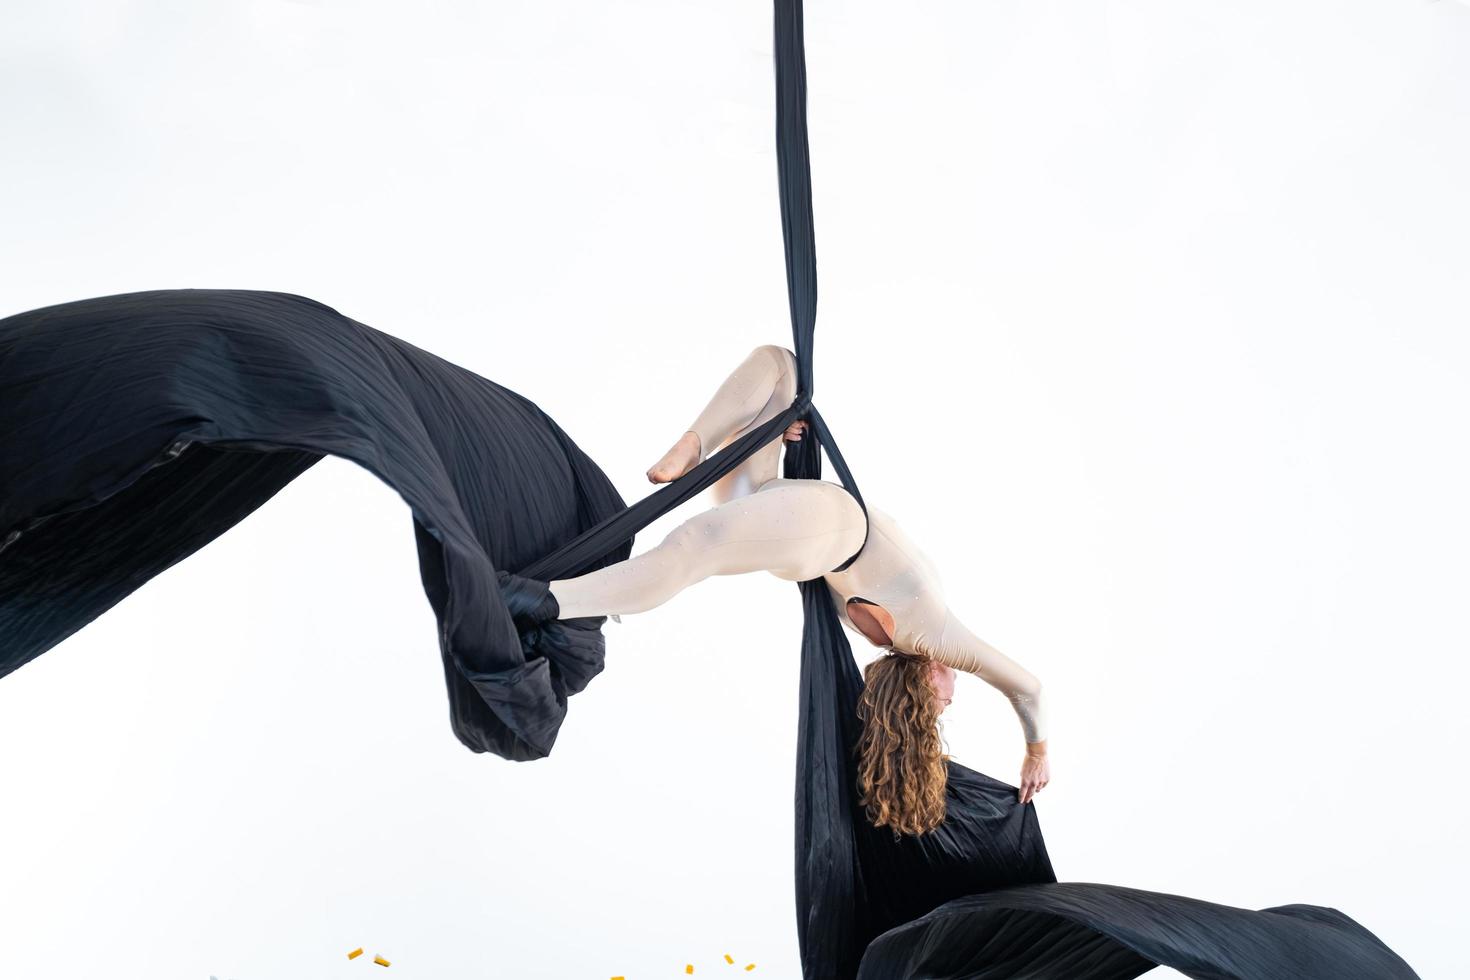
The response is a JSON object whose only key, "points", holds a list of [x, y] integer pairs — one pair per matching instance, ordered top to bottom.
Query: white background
{"points": [[1145, 318]]}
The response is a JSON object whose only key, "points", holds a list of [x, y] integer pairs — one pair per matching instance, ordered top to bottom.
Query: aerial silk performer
{"points": [[135, 429]]}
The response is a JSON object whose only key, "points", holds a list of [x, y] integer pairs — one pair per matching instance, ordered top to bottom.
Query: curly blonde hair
{"points": [[901, 764]]}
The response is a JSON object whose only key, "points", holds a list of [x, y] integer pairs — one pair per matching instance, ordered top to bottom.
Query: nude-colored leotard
{"points": [[797, 530], [894, 573]]}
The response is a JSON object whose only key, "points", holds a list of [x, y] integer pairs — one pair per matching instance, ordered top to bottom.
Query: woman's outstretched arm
{"points": [[963, 650]]}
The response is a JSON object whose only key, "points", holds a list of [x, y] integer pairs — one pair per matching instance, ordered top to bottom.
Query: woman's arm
{"points": [[963, 650]]}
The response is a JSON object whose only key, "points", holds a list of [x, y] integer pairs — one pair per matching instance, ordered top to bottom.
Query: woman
{"points": [[805, 529]]}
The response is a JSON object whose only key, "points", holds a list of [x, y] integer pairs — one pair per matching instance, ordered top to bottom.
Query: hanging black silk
{"points": [[135, 429], [976, 898]]}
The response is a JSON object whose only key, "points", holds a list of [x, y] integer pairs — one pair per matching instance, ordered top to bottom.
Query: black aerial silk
{"points": [[135, 429]]}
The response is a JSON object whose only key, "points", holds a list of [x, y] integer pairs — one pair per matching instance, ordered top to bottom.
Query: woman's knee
{"points": [[783, 357], [784, 390]]}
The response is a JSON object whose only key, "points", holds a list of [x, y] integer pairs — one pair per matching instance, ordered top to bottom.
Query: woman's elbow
{"points": [[1027, 689]]}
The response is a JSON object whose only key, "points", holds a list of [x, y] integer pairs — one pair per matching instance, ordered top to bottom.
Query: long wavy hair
{"points": [[901, 770]]}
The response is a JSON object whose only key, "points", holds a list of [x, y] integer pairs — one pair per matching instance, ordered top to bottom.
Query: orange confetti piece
{"points": [[355, 953], [379, 960], [688, 967]]}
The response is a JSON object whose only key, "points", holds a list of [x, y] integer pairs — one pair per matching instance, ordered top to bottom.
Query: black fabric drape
{"points": [[135, 429], [976, 898], [1079, 929]]}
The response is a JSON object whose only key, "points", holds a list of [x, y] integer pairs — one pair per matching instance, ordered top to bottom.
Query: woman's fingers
{"points": [[1035, 774], [1029, 789]]}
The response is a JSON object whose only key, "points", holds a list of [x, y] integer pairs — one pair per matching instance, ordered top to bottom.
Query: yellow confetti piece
{"points": [[355, 953], [729, 959], [379, 960], [688, 967], [749, 967]]}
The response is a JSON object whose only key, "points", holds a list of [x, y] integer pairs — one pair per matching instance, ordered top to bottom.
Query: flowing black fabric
{"points": [[135, 429], [1078, 929]]}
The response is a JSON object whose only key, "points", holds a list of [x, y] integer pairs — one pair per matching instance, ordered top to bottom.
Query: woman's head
{"points": [[901, 771]]}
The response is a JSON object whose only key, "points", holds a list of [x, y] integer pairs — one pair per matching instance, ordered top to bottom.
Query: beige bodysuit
{"points": [[798, 530], [892, 572]]}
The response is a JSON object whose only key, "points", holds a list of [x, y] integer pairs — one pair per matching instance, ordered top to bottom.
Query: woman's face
{"points": [[943, 677]]}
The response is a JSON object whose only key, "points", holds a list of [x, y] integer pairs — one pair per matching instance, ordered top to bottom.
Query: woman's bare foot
{"points": [[676, 461]]}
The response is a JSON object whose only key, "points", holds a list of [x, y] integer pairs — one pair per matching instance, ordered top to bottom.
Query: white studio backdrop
{"points": [[1146, 319]]}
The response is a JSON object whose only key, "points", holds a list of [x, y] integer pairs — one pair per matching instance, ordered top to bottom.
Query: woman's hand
{"points": [[794, 430], [1035, 772]]}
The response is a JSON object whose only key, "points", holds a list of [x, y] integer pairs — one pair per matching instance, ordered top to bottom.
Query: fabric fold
{"points": [[137, 428]]}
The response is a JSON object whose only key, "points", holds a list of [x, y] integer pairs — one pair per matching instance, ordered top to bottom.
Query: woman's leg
{"points": [[757, 390], [795, 529]]}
